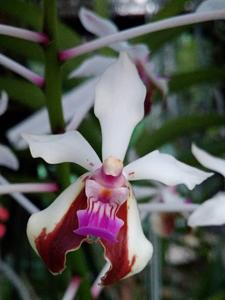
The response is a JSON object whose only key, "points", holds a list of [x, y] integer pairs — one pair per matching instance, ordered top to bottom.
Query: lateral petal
{"points": [[93, 66], [119, 97], [67, 147], [209, 161], [166, 169], [210, 213], [50, 231], [133, 251]]}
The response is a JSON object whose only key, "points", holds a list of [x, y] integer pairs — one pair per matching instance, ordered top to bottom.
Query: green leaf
{"points": [[26, 13], [21, 47], [182, 81], [22, 91], [175, 128]]}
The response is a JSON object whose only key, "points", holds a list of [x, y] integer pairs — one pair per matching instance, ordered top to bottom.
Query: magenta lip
{"points": [[92, 224]]}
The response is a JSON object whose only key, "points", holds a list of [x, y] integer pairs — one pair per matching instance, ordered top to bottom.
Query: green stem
{"points": [[53, 82], [53, 94]]}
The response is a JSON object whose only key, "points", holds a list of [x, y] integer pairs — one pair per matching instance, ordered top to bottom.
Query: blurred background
{"points": [[188, 264]]}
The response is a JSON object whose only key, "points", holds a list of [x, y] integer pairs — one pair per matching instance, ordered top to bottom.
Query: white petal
{"points": [[210, 5], [100, 27], [93, 66], [3, 102], [76, 104], [119, 105], [67, 147], [7, 158], [209, 161], [166, 169], [211, 212], [48, 218], [138, 246]]}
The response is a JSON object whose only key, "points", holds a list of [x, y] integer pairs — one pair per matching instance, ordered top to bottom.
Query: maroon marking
{"points": [[131, 173], [53, 246], [117, 252]]}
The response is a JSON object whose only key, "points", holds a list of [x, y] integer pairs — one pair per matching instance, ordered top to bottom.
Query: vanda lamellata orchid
{"points": [[101, 203]]}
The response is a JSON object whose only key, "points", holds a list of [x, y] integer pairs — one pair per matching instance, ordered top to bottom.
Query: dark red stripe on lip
{"points": [[53, 246], [117, 252]]}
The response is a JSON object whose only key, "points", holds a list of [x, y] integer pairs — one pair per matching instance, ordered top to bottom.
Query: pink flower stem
{"points": [[25, 34], [124, 35], [21, 70], [28, 188], [21, 199], [168, 208], [97, 287], [72, 289]]}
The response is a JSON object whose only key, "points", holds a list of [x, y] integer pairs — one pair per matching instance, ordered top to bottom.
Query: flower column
{"points": [[53, 94]]}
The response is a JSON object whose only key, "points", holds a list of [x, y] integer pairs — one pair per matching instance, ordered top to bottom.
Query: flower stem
{"points": [[124, 35], [37, 37], [21, 70], [53, 89], [53, 92], [27, 188], [21, 199], [168, 208]]}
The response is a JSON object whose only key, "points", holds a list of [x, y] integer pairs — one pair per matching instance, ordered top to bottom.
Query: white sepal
{"points": [[100, 27], [93, 66], [119, 105], [67, 147], [8, 158], [209, 161], [166, 169], [210, 213]]}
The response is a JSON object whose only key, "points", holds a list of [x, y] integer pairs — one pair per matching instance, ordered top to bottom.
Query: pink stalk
{"points": [[25, 34], [124, 35], [21, 70], [28, 188], [21, 199], [167, 207], [97, 286], [72, 289]]}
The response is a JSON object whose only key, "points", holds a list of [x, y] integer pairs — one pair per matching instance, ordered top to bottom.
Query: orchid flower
{"points": [[97, 64], [79, 100], [101, 203], [212, 211]]}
